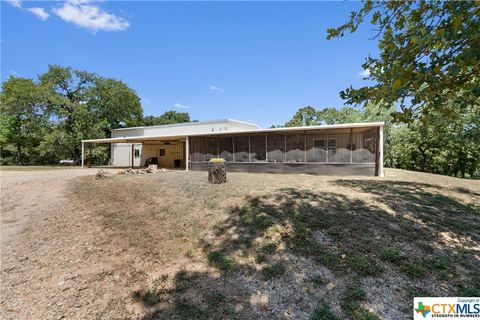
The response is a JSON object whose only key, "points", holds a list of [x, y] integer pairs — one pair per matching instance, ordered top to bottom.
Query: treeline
{"points": [[43, 121], [440, 143]]}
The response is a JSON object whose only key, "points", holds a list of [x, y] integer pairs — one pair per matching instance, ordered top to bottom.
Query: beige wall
{"points": [[174, 150]]}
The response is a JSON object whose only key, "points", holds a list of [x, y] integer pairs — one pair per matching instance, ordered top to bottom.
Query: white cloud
{"points": [[15, 3], [39, 12], [84, 14], [364, 74], [213, 88], [181, 106]]}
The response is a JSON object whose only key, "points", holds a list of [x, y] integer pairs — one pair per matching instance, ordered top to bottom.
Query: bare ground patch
{"points": [[262, 246]]}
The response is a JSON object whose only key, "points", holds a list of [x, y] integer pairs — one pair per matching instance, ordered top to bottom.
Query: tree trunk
{"points": [[19, 154]]}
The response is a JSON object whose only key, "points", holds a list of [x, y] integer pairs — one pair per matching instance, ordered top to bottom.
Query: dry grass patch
{"points": [[291, 246]]}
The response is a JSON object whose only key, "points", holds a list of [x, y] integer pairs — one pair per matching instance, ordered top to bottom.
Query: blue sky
{"points": [[255, 61]]}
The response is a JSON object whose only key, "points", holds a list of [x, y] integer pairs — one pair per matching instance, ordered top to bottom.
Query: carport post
{"points": [[83, 151], [133, 154], [186, 154], [90, 155], [380, 155]]}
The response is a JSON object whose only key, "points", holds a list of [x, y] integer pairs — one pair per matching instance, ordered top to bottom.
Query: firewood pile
{"points": [[151, 169], [217, 171], [101, 174]]}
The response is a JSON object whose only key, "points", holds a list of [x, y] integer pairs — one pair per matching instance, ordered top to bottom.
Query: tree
{"points": [[429, 56], [116, 103], [86, 106], [21, 116], [169, 117], [311, 117], [46, 120]]}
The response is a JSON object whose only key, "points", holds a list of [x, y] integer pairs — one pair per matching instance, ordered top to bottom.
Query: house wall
{"points": [[185, 128], [351, 151], [122, 154], [346, 169]]}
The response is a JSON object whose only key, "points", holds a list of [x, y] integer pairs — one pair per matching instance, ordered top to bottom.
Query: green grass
{"points": [[269, 248], [393, 256], [260, 258], [220, 261], [364, 265], [415, 268], [274, 271], [317, 280], [353, 296], [323, 312]]}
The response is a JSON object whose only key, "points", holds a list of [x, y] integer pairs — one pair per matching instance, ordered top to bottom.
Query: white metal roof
{"points": [[190, 124], [180, 135]]}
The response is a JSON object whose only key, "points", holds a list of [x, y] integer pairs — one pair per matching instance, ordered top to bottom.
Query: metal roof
{"points": [[189, 124], [180, 136]]}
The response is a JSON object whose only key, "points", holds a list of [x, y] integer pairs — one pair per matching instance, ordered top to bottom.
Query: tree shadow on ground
{"points": [[265, 256]]}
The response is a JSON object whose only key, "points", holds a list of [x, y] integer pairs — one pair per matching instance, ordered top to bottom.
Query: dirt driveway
{"points": [[27, 194]]}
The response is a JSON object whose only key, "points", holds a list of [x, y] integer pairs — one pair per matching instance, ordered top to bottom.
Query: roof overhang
{"points": [[140, 139]]}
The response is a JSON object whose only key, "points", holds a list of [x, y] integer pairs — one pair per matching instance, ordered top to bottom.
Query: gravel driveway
{"points": [[27, 194]]}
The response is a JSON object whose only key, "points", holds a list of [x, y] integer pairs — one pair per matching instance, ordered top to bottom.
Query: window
{"points": [[211, 146], [196, 147], [276, 147], [295, 147], [226, 148], [241, 148], [257, 148], [332, 149], [319, 150], [162, 152], [137, 153]]}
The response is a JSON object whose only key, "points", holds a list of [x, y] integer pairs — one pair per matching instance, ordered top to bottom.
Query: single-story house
{"points": [[339, 149]]}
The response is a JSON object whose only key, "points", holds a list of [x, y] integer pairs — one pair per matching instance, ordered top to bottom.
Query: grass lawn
{"points": [[290, 246]]}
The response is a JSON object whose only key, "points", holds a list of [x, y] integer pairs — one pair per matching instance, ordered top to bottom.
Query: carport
{"points": [[167, 149]]}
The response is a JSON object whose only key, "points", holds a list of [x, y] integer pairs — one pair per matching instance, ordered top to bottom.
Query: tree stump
{"points": [[217, 171]]}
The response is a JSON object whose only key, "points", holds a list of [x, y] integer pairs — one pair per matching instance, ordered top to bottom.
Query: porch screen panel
{"points": [[211, 146], [316, 146], [364, 146], [225, 147], [276, 147], [296, 147], [338, 147], [241, 148], [258, 148], [196, 149]]}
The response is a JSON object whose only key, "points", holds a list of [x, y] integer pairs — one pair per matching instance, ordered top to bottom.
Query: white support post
{"points": [[305, 146], [266, 147], [233, 149], [249, 150], [83, 151], [187, 152], [380, 152]]}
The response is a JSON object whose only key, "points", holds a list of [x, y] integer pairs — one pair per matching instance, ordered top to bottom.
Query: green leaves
{"points": [[429, 53], [397, 83], [45, 120]]}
